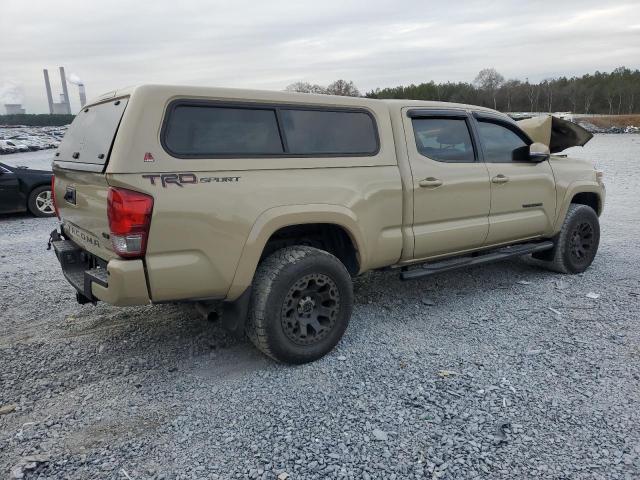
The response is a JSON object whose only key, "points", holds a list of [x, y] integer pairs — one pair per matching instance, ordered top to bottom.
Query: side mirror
{"points": [[538, 152]]}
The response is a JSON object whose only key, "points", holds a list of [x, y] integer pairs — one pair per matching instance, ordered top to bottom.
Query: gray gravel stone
{"points": [[159, 393], [380, 435]]}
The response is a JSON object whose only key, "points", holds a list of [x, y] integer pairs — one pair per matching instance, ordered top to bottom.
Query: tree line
{"points": [[340, 87], [613, 93], [36, 120]]}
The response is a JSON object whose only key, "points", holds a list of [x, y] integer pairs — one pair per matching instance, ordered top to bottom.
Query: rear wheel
{"points": [[40, 202], [577, 242], [301, 304]]}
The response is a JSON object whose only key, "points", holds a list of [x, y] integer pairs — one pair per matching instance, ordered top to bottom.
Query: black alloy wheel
{"points": [[310, 309]]}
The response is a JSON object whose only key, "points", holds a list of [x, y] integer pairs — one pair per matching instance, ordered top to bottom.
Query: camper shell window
{"points": [[200, 129]]}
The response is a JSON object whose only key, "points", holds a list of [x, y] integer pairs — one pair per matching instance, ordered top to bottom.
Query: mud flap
{"points": [[234, 314], [231, 315]]}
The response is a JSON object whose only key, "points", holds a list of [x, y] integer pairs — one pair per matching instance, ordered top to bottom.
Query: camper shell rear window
{"points": [[205, 129], [87, 143]]}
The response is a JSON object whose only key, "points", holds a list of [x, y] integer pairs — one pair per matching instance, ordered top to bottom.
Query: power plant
{"points": [[64, 106], [14, 108]]}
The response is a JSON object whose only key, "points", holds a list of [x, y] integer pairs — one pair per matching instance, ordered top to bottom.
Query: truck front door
{"points": [[523, 192], [451, 193]]}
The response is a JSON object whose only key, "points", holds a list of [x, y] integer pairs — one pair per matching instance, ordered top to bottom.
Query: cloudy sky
{"points": [[269, 44]]}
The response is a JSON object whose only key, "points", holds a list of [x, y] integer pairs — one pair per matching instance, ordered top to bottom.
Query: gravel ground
{"points": [[505, 371]]}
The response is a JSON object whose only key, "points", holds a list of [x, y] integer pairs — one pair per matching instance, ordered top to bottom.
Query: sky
{"points": [[269, 44]]}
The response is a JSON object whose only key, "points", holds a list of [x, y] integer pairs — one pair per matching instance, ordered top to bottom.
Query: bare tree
{"points": [[619, 75], [489, 80], [547, 85], [305, 87], [339, 87], [344, 88], [509, 88], [438, 91], [533, 93], [573, 95], [609, 95], [588, 98]]}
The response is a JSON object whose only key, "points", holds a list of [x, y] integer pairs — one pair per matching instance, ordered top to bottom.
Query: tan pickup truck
{"points": [[259, 207]]}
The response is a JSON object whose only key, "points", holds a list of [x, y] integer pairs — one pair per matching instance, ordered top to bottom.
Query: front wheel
{"points": [[40, 202], [577, 242], [301, 304]]}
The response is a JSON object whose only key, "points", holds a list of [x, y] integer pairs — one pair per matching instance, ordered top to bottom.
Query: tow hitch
{"points": [[54, 236]]}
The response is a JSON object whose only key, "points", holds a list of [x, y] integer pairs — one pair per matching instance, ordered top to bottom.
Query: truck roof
{"points": [[161, 91]]}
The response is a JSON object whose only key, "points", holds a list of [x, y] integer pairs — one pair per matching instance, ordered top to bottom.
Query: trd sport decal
{"points": [[182, 179]]}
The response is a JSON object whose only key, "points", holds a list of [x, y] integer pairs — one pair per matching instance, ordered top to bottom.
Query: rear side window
{"points": [[205, 130], [310, 132], [444, 139], [501, 144]]}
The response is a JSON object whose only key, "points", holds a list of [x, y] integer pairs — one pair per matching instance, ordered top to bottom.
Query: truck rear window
{"points": [[206, 130], [312, 132], [90, 136], [444, 139]]}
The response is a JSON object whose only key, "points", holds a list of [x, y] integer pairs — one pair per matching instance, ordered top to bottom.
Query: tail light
{"points": [[53, 196], [129, 216]]}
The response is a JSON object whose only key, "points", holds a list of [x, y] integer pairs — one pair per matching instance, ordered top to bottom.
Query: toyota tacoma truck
{"points": [[259, 207]]}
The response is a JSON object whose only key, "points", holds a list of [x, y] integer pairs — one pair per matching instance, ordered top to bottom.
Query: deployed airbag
{"points": [[555, 132]]}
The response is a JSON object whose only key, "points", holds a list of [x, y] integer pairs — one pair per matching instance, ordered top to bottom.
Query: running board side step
{"points": [[491, 256]]}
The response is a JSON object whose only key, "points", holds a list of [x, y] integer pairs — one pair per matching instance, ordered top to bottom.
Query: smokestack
{"points": [[75, 80], [48, 87], [65, 92], [83, 94]]}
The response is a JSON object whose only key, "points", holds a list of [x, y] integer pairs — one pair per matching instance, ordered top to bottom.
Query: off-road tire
{"points": [[33, 198], [577, 243], [275, 308]]}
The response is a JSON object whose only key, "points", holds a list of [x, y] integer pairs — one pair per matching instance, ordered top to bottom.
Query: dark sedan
{"points": [[23, 189]]}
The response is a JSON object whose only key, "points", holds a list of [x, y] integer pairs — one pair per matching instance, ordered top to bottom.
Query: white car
{"points": [[7, 147], [19, 147]]}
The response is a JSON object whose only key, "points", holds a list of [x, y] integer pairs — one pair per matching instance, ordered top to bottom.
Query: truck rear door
{"points": [[450, 184], [81, 187]]}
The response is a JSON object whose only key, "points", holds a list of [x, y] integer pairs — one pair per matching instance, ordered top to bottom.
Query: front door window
{"points": [[501, 144]]}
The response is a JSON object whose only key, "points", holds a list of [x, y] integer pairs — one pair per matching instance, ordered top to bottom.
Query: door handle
{"points": [[500, 178], [430, 182]]}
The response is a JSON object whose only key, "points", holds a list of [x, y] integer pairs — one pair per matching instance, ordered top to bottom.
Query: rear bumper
{"points": [[117, 282]]}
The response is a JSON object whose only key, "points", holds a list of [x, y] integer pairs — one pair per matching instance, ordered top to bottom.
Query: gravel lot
{"points": [[505, 371]]}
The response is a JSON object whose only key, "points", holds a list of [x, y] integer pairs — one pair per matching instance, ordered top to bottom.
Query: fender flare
{"points": [[572, 190], [275, 218]]}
